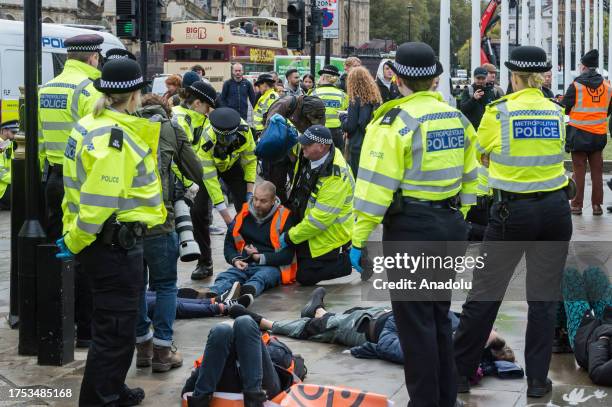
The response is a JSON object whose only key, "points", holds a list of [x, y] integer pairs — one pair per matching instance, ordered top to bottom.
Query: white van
{"points": [[53, 57]]}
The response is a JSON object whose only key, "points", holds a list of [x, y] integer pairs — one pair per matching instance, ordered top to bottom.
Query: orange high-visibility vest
{"points": [[590, 112], [281, 215]]}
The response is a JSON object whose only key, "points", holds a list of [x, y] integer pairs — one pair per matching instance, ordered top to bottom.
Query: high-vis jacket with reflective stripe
{"points": [[335, 100], [63, 101], [261, 108], [590, 112], [191, 122], [524, 136], [418, 144], [212, 163], [110, 167], [5, 168], [483, 181], [328, 219]]}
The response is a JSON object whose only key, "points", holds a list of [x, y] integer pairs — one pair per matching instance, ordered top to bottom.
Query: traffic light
{"points": [[126, 19], [153, 20], [296, 24], [314, 32]]}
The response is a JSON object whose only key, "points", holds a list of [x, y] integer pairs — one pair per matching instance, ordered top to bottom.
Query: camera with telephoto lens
{"points": [[188, 247]]}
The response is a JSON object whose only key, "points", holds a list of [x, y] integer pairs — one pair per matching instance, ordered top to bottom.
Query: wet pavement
{"points": [[327, 364]]}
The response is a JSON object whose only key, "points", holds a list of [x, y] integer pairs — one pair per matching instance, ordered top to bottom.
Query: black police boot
{"points": [[202, 271], [315, 302], [463, 384], [538, 388], [131, 397], [254, 399], [199, 401]]}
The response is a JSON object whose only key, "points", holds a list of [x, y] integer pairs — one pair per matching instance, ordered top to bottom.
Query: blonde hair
{"points": [[351, 62], [330, 78], [530, 79], [360, 83], [108, 100]]}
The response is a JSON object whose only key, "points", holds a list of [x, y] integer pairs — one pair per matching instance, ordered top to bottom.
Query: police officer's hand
{"points": [[478, 94], [283, 240], [64, 252], [355, 256], [240, 265]]}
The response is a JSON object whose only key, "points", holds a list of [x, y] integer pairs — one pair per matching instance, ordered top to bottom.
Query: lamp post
{"points": [[409, 7]]}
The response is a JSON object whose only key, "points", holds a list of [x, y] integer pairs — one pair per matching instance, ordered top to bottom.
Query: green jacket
{"points": [[174, 148]]}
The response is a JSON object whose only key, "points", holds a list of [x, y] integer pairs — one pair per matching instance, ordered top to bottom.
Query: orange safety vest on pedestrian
{"points": [[590, 112], [281, 215]]}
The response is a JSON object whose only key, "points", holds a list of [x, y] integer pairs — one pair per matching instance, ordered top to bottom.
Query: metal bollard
{"points": [[17, 218]]}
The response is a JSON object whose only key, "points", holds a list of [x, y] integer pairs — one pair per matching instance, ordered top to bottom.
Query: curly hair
{"points": [[174, 80], [360, 83]]}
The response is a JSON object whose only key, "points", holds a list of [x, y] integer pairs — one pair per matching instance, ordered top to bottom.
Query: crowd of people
{"points": [[357, 151]]}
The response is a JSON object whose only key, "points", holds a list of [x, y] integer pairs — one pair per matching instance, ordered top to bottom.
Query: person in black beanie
{"points": [[587, 102]]}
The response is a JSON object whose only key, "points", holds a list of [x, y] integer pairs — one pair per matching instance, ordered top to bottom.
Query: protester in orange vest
{"points": [[587, 102], [253, 248], [238, 359]]}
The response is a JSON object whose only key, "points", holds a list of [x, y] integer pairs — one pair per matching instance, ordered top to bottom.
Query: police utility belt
{"points": [[505, 196], [401, 203], [123, 235]]}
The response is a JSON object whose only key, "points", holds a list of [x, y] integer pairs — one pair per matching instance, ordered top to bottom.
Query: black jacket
{"points": [[390, 93], [237, 95], [474, 109], [355, 123], [578, 139], [258, 234], [594, 354]]}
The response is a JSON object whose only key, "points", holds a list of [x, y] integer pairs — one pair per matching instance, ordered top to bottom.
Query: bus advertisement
{"points": [[252, 41]]}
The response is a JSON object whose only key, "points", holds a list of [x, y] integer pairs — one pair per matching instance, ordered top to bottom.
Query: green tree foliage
{"points": [[389, 19]]}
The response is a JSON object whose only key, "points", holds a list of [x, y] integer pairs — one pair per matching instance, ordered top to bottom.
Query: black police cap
{"points": [[84, 43], [118, 53], [528, 58], [591, 59], [416, 60], [330, 70], [120, 76], [265, 78], [204, 91], [224, 121], [316, 134]]}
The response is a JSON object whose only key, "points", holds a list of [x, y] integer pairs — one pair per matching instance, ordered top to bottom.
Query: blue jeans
{"points": [[161, 254], [260, 277], [187, 308], [227, 346]]}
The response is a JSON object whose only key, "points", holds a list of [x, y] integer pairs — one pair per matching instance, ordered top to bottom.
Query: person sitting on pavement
{"points": [[322, 201], [253, 248], [189, 305], [588, 306], [370, 332], [237, 359]]}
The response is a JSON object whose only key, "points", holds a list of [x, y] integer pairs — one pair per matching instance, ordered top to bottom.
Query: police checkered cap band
{"points": [[84, 48], [116, 56], [529, 64], [415, 71], [329, 72], [120, 84], [204, 95], [224, 132], [308, 134]]}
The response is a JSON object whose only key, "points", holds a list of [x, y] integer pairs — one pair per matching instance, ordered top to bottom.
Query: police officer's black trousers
{"points": [[278, 173], [234, 180], [54, 194], [539, 229], [117, 278], [424, 329]]}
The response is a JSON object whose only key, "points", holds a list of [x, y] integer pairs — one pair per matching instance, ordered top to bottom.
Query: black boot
{"points": [[202, 271], [314, 303], [463, 384], [538, 388], [131, 397], [254, 399], [202, 400]]}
